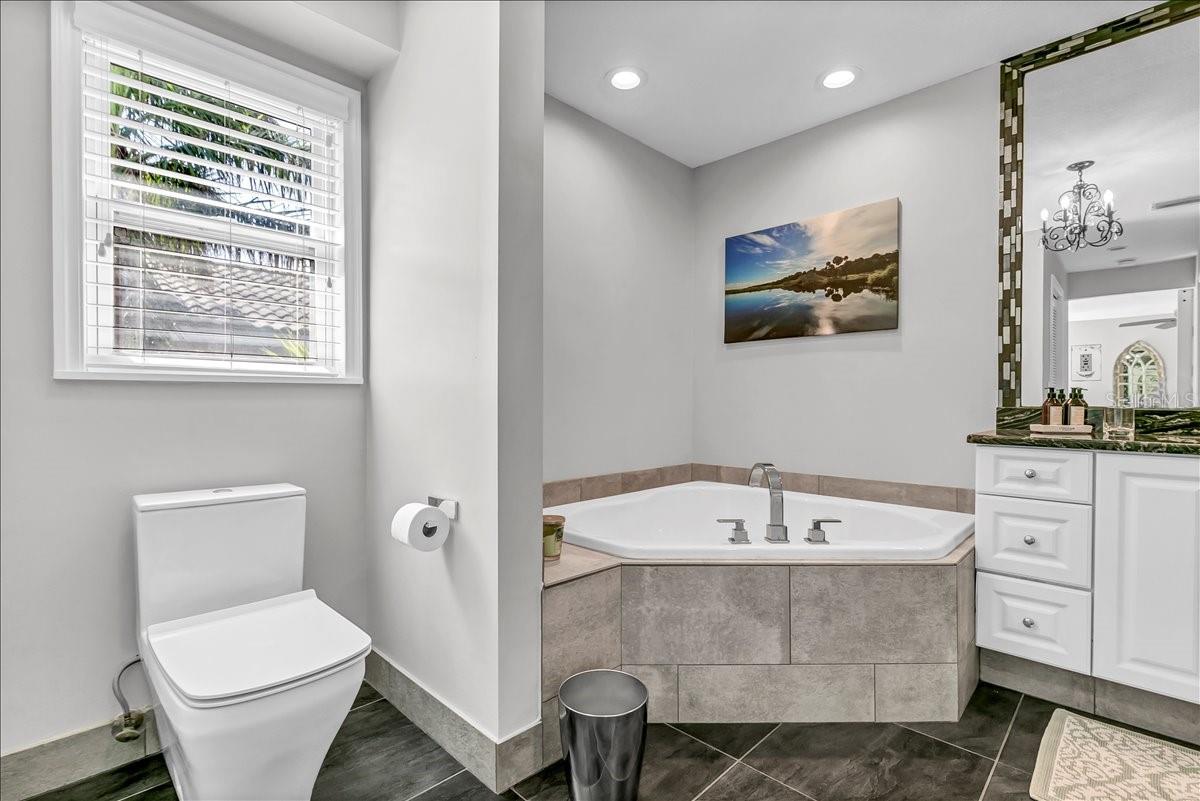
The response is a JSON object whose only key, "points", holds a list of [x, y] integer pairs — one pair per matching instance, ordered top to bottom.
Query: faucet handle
{"points": [[740, 535], [816, 535]]}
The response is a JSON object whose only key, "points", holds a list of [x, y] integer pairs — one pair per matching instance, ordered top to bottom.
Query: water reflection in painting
{"points": [[834, 274]]}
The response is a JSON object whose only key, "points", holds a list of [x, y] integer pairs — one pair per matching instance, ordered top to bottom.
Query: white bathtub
{"points": [[680, 522]]}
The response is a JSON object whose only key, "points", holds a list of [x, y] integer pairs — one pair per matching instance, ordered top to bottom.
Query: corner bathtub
{"points": [[679, 522]]}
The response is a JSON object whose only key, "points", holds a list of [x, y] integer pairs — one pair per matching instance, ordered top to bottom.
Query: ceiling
{"points": [[723, 77], [1134, 109], [1155, 303]]}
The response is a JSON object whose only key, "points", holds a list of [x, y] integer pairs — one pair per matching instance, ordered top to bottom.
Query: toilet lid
{"points": [[254, 647]]}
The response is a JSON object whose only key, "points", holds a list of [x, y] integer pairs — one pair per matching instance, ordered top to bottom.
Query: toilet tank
{"points": [[202, 550]]}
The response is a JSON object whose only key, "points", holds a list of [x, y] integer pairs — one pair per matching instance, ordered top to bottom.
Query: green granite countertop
{"points": [[1159, 443]]}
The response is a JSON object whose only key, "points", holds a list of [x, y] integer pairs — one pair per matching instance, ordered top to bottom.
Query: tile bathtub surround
{"points": [[952, 499], [575, 562], [876, 613], [703, 615], [581, 627], [810, 642], [662, 682], [756, 693]]}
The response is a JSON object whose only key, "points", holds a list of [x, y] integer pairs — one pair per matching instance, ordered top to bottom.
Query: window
{"points": [[207, 224], [1139, 376]]}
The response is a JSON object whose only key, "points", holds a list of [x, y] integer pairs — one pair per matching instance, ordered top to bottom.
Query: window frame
{"points": [[134, 25]]}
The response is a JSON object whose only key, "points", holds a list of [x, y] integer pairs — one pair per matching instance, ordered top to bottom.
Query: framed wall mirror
{"points": [[1100, 214]]}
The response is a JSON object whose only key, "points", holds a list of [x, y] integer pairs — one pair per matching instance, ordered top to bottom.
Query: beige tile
{"points": [[705, 472], [676, 474], [734, 475], [634, 480], [800, 482], [592, 487], [555, 493], [922, 495], [966, 500], [574, 563], [965, 589], [876, 613], [707, 615], [581, 627], [968, 677], [1041, 681], [662, 682], [916, 692], [773, 693], [1146, 710], [551, 740], [475, 750], [518, 757], [65, 760]]}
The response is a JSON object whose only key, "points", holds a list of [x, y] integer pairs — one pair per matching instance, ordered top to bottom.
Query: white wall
{"points": [[618, 288], [1113, 340], [454, 399], [892, 405], [73, 452]]}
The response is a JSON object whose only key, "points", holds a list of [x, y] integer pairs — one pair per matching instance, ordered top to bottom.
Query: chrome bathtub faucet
{"points": [[776, 530]]}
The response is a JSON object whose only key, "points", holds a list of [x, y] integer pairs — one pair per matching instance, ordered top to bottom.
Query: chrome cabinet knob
{"points": [[1030, 473], [1030, 539], [1027, 622]]}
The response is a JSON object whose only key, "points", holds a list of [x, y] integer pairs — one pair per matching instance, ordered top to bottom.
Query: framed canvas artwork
{"points": [[838, 273]]}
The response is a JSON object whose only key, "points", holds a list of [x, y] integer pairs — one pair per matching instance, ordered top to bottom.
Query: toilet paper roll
{"points": [[420, 526]]}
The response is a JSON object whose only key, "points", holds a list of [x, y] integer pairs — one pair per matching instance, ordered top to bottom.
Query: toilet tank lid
{"points": [[211, 497]]}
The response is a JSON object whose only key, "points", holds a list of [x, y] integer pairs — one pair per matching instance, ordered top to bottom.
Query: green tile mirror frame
{"points": [[1012, 132]]}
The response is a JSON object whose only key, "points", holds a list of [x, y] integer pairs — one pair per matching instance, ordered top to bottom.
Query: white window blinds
{"points": [[213, 222]]}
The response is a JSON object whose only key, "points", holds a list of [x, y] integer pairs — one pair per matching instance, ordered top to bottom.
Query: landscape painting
{"points": [[834, 274]]}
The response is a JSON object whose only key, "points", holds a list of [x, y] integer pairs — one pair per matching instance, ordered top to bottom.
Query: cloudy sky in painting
{"points": [[776, 252]]}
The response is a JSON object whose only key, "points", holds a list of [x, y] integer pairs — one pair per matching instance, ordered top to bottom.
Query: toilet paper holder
{"points": [[449, 507]]}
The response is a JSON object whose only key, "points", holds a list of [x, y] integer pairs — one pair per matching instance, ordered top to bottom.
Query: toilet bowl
{"points": [[252, 677], [250, 698]]}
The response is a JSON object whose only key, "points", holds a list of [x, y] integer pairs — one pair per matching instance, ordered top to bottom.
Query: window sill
{"points": [[160, 376]]}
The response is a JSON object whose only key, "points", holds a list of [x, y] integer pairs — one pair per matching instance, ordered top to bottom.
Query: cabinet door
{"points": [[1147, 573]]}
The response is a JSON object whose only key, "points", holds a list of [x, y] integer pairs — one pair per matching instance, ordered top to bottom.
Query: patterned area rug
{"points": [[1081, 759]]}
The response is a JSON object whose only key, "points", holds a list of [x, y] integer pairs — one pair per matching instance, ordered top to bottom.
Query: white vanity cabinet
{"points": [[1090, 561], [1146, 607]]}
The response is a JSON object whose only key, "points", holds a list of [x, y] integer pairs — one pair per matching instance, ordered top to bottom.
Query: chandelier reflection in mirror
{"points": [[1084, 217]]}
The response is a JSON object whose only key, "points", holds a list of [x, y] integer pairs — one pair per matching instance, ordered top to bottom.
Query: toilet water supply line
{"points": [[129, 725]]}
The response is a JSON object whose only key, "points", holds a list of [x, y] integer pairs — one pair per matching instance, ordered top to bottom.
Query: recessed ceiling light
{"points": [[626, 78], [836, 79], [1117, 247], [1130, 260]]}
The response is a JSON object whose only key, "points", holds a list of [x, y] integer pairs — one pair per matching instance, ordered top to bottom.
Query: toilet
{"points": [[252, 675]]}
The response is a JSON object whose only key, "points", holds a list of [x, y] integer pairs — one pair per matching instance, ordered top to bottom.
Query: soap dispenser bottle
{"points": [[1046, 404], [1079, 408]]}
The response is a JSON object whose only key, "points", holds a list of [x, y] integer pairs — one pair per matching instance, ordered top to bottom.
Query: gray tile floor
{"points": [[379, 755]]}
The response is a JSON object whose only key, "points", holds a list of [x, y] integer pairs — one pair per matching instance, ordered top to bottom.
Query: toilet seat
{"points": [[250, 651]]}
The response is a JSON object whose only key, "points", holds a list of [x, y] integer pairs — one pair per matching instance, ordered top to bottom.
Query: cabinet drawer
{"points": [[1041, 473], [1043, 540], [1042, 622]]}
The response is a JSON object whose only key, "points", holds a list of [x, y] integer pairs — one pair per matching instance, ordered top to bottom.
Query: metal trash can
{"points": [[602, 722]]}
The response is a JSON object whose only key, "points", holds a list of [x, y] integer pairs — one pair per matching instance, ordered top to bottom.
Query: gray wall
{"points": [[618, 288], [882, 405], [73, 452]]}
